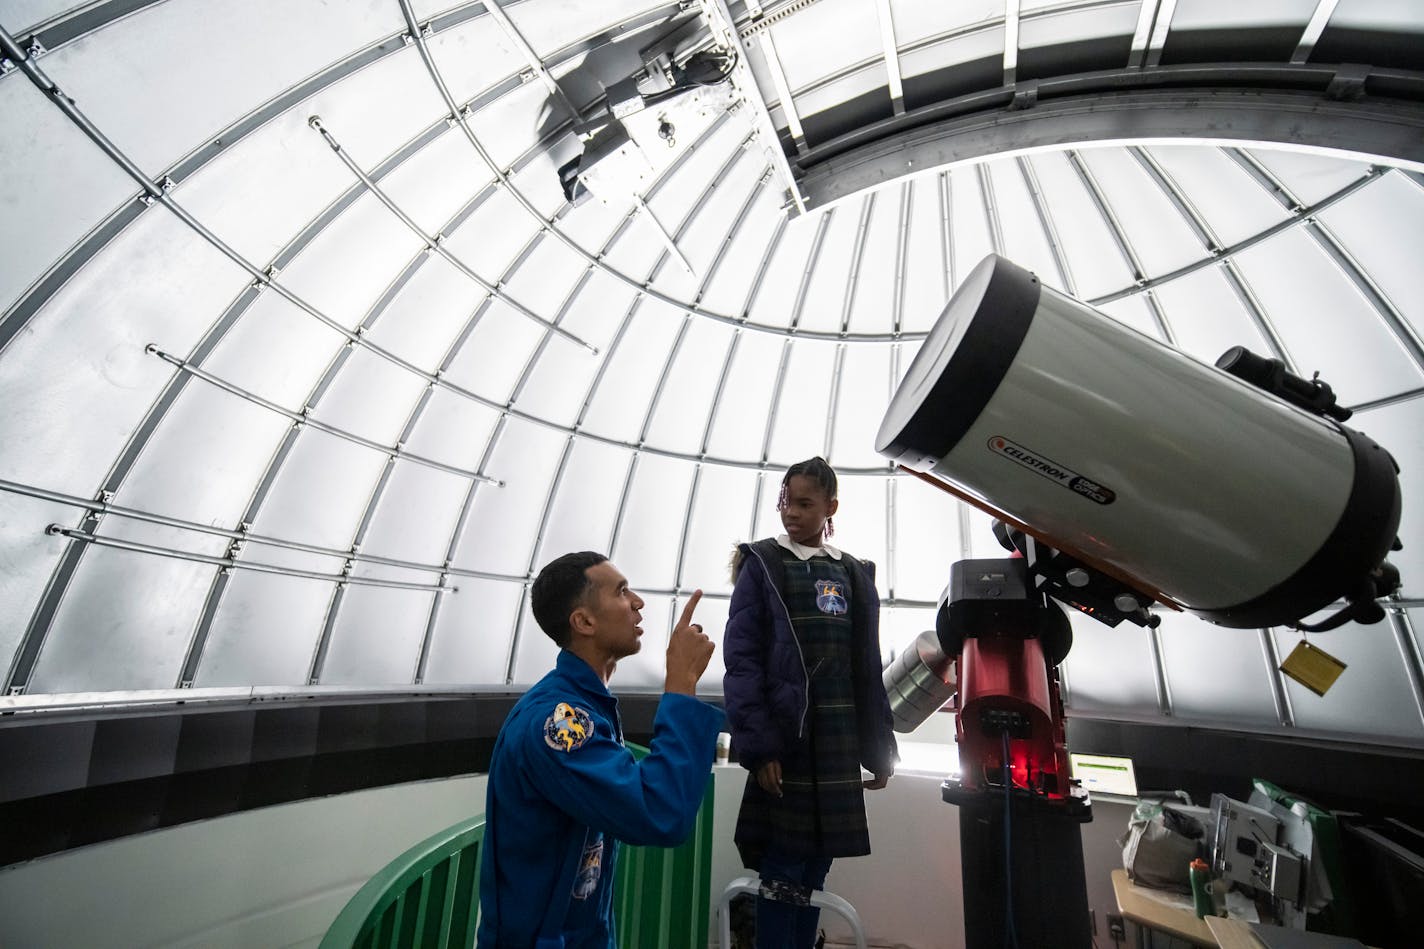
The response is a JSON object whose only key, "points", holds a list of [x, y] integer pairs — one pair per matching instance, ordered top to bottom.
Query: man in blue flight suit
{"points": [[563, 790]]}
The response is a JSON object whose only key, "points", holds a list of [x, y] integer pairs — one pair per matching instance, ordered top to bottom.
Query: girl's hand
{"points": [[769, 777], [878, 782]]}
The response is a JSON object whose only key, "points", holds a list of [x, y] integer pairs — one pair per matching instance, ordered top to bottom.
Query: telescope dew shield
{"points": [[1242, 508], [919, 682]]}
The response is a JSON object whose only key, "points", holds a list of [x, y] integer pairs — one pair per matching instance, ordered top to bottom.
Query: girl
{"points": [[805, 704]]}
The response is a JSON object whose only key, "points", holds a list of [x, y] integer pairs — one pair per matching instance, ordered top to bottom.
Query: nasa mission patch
{"points": [[568, 728]]}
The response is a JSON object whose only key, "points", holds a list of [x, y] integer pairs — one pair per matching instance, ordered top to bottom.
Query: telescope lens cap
{"points": [[960, 364]]}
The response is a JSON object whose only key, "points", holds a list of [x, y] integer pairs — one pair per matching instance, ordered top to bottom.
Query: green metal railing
{"points": [[429, 895], [663, 897]]}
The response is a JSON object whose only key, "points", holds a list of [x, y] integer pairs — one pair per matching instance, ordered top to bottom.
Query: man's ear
{"points": [[581, 622]]}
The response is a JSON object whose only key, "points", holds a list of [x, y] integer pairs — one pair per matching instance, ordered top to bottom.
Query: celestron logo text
{"points": [[1051, 470]]}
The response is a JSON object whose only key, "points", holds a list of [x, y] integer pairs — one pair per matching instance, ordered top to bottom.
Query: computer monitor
{"points": [[1104, 774]]}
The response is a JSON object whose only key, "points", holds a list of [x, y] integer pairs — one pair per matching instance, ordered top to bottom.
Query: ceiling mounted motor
{"points": [[1251, 508]]}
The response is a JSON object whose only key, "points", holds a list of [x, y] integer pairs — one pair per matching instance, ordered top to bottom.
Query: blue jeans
{"points": [[782, 925]]}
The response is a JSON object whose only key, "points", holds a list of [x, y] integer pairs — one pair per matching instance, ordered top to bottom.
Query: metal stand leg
{"points": [[819, 898]]}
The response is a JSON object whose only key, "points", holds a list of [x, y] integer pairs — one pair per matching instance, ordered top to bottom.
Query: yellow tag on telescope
{"points": [[1312, 667]]}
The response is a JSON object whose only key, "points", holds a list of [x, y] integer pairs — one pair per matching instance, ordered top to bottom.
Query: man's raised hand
{"points": [[689, 650]]}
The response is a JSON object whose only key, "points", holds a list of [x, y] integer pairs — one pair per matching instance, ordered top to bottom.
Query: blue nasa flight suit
{"points": [[563, 790]]}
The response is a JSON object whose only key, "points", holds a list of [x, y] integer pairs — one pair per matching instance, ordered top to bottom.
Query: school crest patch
{"points": [[830, 597], [568, 728]]}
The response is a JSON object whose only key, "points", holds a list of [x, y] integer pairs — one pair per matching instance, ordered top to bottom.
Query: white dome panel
{"points": [[200, 65], [434, 184], [56, 187], [1233, 206], [1383, 225], [1022, 234], [1089, 250], [343, 271], [925, 286], [871, 296], [431, 307], [1208, 317], [1324, 321], [490, 361], [78, 381], [626, 388], [863, 392], [371, 398], [679, 416], [739, 425], [798, 427], [453, 429], [202, 461], [319, 491], [655, 498], [582, 512], [414, 515], [721, 519], [502, 528], [927, 540], [27, 557], [125, 624], [266, 629], [376, 637], [471, 638], [1109, 670], [1204, 684], [1372, 696]]}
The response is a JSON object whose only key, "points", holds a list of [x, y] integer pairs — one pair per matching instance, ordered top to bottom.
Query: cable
{"points": [[1011, 938]]}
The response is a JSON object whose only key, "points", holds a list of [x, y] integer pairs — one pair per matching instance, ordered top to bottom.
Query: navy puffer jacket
{"points": [[765, 686]]}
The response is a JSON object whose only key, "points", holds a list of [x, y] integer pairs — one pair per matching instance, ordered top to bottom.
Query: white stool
{"points": [[819, 898]]}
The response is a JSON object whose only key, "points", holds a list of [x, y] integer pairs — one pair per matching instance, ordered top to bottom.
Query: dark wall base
{"points": [[66, 784]]}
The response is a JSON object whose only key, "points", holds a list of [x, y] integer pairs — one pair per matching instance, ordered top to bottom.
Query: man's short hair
{"points": [[559, 589]]}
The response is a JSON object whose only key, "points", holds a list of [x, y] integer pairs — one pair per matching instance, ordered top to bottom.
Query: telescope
{"points": [[1121, 474]]}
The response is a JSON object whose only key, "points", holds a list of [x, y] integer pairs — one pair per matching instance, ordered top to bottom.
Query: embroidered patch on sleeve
{"points": [[830, 597], [568, 728], [590, 869]]}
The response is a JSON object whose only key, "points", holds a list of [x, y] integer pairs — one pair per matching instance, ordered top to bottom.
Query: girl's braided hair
{"points": [[818, 470]]}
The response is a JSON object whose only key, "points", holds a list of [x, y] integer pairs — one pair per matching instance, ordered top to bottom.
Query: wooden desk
{"points": [[1151, 909], [1171, 914], [1231, 933], [1237, 934]]}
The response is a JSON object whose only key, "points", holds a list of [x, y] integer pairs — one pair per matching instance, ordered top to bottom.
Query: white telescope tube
{"points": [[1101, 440]]}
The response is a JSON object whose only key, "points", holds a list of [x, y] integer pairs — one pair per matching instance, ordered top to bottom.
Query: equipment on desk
{"points": [[1121, 473], [1161, 842], [1269, 850]]}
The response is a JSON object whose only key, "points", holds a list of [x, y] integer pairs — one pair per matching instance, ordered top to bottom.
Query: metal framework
{"points": [[496, 10], [1324, 10], [93, 17], [723, 27], [1011, 41], [891, 47], [1190, 104], [1328, 119], [1212, 245], [1124, 246], [1408, 338]]}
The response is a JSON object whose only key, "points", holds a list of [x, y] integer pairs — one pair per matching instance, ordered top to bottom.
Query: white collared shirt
{"points": [[806, 553]]}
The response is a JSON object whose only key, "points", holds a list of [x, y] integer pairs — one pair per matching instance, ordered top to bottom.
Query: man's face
{"points": [[615, 611]]}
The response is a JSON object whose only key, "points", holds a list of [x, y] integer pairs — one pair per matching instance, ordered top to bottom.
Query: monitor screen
{"points": [[1104, 774]]}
